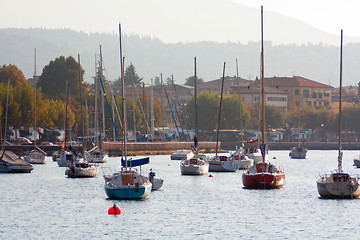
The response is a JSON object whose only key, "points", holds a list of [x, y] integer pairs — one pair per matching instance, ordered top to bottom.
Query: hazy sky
{"points": [[170, 20]]}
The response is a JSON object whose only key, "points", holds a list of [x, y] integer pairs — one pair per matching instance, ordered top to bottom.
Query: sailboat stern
{"points": [[338, 185]]}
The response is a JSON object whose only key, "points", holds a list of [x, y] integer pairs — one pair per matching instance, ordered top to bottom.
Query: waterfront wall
{"points": [[146, 148], [157, 148]]}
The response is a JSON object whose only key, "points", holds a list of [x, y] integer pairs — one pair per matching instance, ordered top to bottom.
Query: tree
{"points": [[12, 73], [55, 75], [131, 76], [157, 81], [190, 81], [318, 118]]}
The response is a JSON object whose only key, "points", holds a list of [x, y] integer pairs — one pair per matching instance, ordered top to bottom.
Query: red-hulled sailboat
{"points": [[263, 175]]}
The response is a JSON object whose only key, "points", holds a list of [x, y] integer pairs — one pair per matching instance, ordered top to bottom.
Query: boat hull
{"points": [[298, 153], [182, 155], [257, 157], [35, 158], [97, 158], [357, 162], [12, 163], [246, 163], [224, 166], [18, 168], [194, 169], [81, 172], [263, 180], [338, 186], [128, 192]]}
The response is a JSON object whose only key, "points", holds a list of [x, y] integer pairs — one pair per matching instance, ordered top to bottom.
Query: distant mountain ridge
{"points": [[150, 56]]}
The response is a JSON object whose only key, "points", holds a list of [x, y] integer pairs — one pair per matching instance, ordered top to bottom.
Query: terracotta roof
{"points": [[295, 81]]}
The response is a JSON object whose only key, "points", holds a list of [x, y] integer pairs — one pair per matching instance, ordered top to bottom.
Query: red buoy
{"points": [[211, 175], [114, 210]]}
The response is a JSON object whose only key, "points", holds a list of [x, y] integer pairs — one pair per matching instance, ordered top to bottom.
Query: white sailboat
{"points": [[299, 152], [96, 154], [37, 155], [222, 163], [196, 165], [80, 169], [126, 183], [339, 184]]}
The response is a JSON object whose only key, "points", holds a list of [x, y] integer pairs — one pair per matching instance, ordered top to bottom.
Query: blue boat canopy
{"points": [[135, 162]]}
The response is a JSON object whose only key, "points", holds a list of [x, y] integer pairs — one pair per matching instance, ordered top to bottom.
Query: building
{"points": [[214, 86], [302, 91], [273, 96]]}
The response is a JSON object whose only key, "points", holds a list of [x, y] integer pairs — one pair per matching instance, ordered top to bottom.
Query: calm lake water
{"points": [[46, 205]]}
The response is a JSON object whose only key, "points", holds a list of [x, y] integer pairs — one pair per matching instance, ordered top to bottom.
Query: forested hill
{"points": [[151, 56]]}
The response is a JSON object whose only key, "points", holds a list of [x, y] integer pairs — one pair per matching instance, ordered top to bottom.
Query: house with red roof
{"points": [[302, 91]]}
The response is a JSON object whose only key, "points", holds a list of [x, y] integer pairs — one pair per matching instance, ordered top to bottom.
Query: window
{"points": [[296, 91], [306, 93], [315, 93], [326, 93], [320, 94], [276, 99], [297, 103], [308, 103], [314, 104], [326, 104]]}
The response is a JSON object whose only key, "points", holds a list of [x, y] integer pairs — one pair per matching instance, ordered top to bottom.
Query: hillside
{"points": [[151, 56]]}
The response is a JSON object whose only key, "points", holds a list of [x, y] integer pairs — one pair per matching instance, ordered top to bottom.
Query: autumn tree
{"points": [[11, 73], [55, 75]]}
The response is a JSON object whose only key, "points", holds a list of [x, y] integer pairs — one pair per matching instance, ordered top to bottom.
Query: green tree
{"points": [[55, 75], [131, 76], [190, 81], [207, 111], [231, 113], [273, 117], [318, 118]]}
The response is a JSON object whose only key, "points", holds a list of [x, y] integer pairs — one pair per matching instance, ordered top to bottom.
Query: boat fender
{"points": [[114, 210]]}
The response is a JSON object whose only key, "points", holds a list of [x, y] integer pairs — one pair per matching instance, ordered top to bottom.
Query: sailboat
{"points": [[298, 152], [96, 154], [37, 155], [66, 155], [9, 161], [222, 163], [197, 165], [81, 169], [263, 175], [126, 183], [339, 184]]}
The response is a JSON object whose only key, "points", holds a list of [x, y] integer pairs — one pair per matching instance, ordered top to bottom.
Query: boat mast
{"points": [[122, 60], [238, 86], [262, 91], [340, 96], [35, 97], [102, 98], [81, 109], [7, 110], [195, 112], [66, 114], [219, 116], [152, 119]]}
